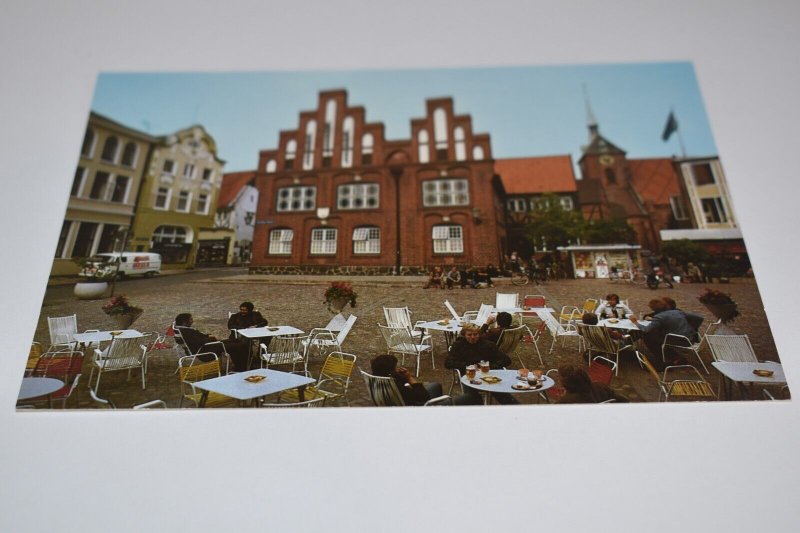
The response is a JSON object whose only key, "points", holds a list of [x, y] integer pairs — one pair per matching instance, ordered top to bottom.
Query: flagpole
{"points": [[680, 140]]}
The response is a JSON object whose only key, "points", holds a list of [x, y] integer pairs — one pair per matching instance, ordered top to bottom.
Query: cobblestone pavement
{"points": [[298, 301]]}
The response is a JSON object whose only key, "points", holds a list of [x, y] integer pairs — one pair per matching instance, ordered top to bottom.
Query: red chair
{"points": [[601, 370]]}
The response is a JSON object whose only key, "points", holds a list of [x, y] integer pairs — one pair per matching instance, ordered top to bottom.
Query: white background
{"points": [[627, 468]]}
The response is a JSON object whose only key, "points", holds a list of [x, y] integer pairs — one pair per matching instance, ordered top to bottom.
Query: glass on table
{"points": [[484, 367], [471, 371]]}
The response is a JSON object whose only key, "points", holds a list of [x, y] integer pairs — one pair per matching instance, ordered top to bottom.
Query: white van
{"points": [[130, 264]]}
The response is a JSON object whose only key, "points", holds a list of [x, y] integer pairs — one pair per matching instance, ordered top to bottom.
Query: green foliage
{"points": [[608, 231], [685, 251]]}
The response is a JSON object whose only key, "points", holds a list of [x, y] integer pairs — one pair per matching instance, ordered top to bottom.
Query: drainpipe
{"points": [[396, 172]]}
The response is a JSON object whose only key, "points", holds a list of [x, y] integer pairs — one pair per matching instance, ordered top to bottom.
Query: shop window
{"points": [[169, 234]]}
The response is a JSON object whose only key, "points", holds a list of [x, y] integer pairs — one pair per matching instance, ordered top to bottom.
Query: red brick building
{"points": [[336, 196]]}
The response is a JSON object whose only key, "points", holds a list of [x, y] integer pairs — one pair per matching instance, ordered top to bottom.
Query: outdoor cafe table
{"points": [[621, 323], [450, 327], [254, 334], [103, 336], [742, 372], [508, 378], [236, 386], [36, 387]]}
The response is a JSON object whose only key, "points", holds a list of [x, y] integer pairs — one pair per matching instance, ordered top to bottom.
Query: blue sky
{"points": [[528, 111]]}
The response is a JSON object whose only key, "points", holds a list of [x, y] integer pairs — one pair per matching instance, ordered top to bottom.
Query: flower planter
{"points": [[90, 291], [336, 305], [723, 311], [125, 320]]}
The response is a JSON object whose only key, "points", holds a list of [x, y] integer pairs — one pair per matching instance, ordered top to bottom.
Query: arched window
{"points": [[328, 133], [440, 133], [347, 142], [88, 143], [461, 145], [424, 148], [308, 149], [366, 149], [110, 150], [291, 152], [477, 153], [129, 154], [272, 165], [173, 234], [448, 239], [367, 240], [280, 241]]}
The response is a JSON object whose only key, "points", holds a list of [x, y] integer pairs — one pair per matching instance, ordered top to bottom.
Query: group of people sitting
{"points": [[474, 278], [206, 345]]}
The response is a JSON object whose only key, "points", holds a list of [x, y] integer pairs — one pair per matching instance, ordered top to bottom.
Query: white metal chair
{"points": [[506, 300], [452, 310], [483, 314], [401, 316], [62, 330], [563, 331], [599, 340], [326, 341], [399, 341], [673, 341], [156, 344], [733, 348], [185, 349], [284, 350], [121, 354], [382, 391], [315, 402], [152, 404]]}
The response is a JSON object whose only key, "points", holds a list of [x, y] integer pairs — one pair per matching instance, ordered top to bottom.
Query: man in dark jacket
{"points": [[246, 318], [664, 321], [470, 349], [239, 351], [413, 392]]}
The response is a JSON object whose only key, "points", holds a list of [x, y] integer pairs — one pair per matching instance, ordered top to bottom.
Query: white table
{"points": [[621, 323], [450, 327], [268, 331], [103, 336], [742, 372], [509, 378], [236, 386], [36, 387]]}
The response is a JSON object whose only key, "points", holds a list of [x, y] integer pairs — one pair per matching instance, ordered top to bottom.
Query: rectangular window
{"points": [[347, 150], [308, 153], [169, 166], [188, 171], [207, 174], [703, 174], [77, 182], [99, 186], [120, 192], [445, 192], [358, 196], [162, 198], [184, 199], [296, 199], [566, 203], [202, 204], [517, 205], [678, 208], [714, 211], [62, 238], [107, 238], [84, 240], [448, 240], [280, 241], [323, 241], [367, 241]]}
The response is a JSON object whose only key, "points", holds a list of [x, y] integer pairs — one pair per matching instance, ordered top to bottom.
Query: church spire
{"points": [[590, 120]]}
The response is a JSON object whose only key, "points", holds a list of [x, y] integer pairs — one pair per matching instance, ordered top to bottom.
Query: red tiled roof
{"points": [[531, 175], [654, 179], [232, 183]]}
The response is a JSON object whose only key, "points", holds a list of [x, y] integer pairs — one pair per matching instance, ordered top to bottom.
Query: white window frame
{"points": [[440, 128], [329, 130], [348, 130], [461, 144], [308, 145], [92, 146], [424, 149], [116, 150], [290, 152], [477, 153], [135, 154], [271, 166], [189, 171], [169, 172], [210, 172], [441, 188], [110, 190], [358, 191], [79, 192], [303, 197], [188, 202], [566, 203], [206, 205], [517, 205], [165, 207], [679, 210], [722, 211], [173, 235], [448, 239], [367, 240], [280, 241], [323, 241]]}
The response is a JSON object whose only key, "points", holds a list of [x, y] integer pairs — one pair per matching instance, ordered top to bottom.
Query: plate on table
{"points": [[612, 321], [443, 322], [273, 329], [115, 333], [763, 373], [255, 379], [491, 380], [521, 386]]}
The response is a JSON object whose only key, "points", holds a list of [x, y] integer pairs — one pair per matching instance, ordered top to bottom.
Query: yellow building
{"points": [[178, 199]]}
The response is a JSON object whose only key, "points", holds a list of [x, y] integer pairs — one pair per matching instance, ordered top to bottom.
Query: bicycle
{"points": [[523, 276], [626, 276]]}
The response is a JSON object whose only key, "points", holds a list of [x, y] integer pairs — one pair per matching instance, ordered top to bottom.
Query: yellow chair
{"points": [[570, 314], [33, 357], [191, 370], [333, 382], [682, 388]]}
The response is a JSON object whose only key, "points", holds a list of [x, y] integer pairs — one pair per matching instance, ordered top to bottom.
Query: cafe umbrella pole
{"points": [[119, 260]]}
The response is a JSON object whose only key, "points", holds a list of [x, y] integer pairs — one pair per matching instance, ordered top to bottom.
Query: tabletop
{"points": [[621, 323], [449, 325], [269, 331], [101, 336], [743, 371], [509, 378], [236, 386], [35, 387]]}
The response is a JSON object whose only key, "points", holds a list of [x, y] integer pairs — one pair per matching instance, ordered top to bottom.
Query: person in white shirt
{"points": [[612, 308]]}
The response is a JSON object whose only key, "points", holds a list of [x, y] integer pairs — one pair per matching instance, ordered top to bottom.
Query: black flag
{"points": [[670, 128]]}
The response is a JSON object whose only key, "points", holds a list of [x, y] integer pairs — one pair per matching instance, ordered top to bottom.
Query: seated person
{"points": [[492, 271], [693, 273], [453, 278], [465, 278], [435, 280], [612, 308], [245, 318], [693, 318], [592, 320], [503, 321], [664, 321], [470, 349], [238, 350], [580, 388], [413, 393]]}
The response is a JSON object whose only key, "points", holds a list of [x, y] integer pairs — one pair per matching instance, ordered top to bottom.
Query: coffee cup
{"points": [[471, 371]]}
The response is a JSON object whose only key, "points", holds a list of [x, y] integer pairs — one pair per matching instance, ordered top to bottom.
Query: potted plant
{"points": [[95, 275], [338, 295], [720, 304], [122, 312]]}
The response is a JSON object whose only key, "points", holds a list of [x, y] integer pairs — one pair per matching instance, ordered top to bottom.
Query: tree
{"points": [[552, 226], [606, 231], [685, 251]]}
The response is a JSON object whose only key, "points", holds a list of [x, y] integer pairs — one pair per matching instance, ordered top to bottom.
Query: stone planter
{"points": [[90, 291], [337, 304], [726, 312], [124, 321]]}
